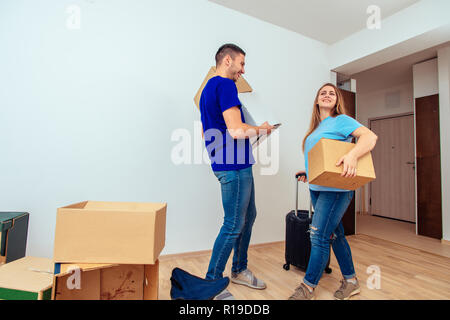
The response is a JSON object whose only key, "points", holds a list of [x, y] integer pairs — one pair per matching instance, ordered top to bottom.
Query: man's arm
{"points": [[240, 130]]}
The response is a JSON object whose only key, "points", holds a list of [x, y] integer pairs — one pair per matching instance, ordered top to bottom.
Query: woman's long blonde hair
{"points": [[338, 109]]}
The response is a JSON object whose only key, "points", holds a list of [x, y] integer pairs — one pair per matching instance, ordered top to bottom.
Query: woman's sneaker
{"points": [[247, 278], [347, 290], [302, 293]]}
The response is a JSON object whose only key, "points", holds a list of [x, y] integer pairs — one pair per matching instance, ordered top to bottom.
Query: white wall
{"points": [[425, 78], [379, 90], [88, 114], [444, 118]]}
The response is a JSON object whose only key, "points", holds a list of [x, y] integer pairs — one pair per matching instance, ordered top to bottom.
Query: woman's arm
{"points": [[366, 142]]}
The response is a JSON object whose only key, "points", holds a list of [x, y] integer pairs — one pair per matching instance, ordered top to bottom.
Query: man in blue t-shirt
{"points": [[227, 140]]}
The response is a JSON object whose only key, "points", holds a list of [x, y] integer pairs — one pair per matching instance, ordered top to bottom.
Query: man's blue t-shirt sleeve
{"points": [[228, 95], [347, 125]]}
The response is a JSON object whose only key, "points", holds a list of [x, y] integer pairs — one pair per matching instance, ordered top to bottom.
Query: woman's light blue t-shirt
{"points": [[336, 128]]}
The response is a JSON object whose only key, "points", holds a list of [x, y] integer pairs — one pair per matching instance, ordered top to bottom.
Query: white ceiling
{"points": [[327, 21]]}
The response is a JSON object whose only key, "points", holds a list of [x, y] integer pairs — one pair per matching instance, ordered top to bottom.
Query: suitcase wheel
{"points": [[286, 266], [328, 270]]}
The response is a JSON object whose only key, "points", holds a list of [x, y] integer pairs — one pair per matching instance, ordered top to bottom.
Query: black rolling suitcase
{"points": [[298, 242]]}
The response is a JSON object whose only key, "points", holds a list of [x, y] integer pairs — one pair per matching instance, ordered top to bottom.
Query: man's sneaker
{"points": [[247, 278], [347, 290], [302, 293], [224, 295]]}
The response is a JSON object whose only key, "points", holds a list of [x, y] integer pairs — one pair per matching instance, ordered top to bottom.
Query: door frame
{"points": [[399, 115], [349, 218]]}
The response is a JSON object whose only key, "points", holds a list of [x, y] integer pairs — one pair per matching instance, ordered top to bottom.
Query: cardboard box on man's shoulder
{"points": [[241, 84], [322, 170], [110, 233], [106, 282]]}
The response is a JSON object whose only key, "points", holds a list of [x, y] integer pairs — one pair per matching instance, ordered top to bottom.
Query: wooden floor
{"points": [[399, 232], [406, 273]]}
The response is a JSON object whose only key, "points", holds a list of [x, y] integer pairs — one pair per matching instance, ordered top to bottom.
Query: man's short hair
{"points": [[228, 49]]}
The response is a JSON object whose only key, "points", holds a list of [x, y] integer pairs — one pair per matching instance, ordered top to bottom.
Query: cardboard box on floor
{"points": [[242, 85], [322, 168], [110, 233], [13, 235], [28, 278], [105, 282]]}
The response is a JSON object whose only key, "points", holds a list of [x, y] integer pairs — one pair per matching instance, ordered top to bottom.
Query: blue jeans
{"points": [[238, 199], [326, 228]]}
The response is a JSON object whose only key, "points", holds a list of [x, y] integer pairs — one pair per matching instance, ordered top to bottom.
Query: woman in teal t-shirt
{"points": [[330, 121]]}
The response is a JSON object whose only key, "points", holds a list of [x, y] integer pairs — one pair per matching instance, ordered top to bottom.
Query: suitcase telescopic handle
{"points": [[303, 174], [296, 196]]}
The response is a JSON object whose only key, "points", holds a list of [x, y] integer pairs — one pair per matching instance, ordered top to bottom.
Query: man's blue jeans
{"points": [[238, 199], [326, 228]]}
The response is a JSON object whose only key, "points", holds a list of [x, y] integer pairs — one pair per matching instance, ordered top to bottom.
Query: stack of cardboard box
{"points": [[108, 250]]}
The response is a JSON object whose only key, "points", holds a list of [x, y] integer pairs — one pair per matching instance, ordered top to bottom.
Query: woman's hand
{"points": [[350, 163], [303, 177]]}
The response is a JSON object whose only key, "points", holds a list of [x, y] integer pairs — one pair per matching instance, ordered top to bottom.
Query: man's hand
{"points": [[267, 127], [240, 130], [350, 163]]}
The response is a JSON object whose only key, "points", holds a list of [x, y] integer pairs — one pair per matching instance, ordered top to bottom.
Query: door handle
{"points": [[410, 162]]}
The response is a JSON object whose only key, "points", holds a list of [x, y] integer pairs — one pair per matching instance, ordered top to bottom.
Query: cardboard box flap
{"points": [[242, 85], [79, 205], [123, 206], [67, 268], [27, 274], [124, 282]]}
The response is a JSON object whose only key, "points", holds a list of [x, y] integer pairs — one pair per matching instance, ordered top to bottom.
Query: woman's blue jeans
{"points": [[238, 199], [326, 228]]}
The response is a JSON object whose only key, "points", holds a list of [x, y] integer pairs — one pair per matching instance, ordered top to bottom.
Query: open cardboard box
{"points": [[242, 85], [322, 168], [110, 233], [28, 278], [105, 282]]}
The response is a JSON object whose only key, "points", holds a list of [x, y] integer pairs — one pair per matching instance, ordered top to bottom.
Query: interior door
{"points": [[392, 194], [429, 197]]}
